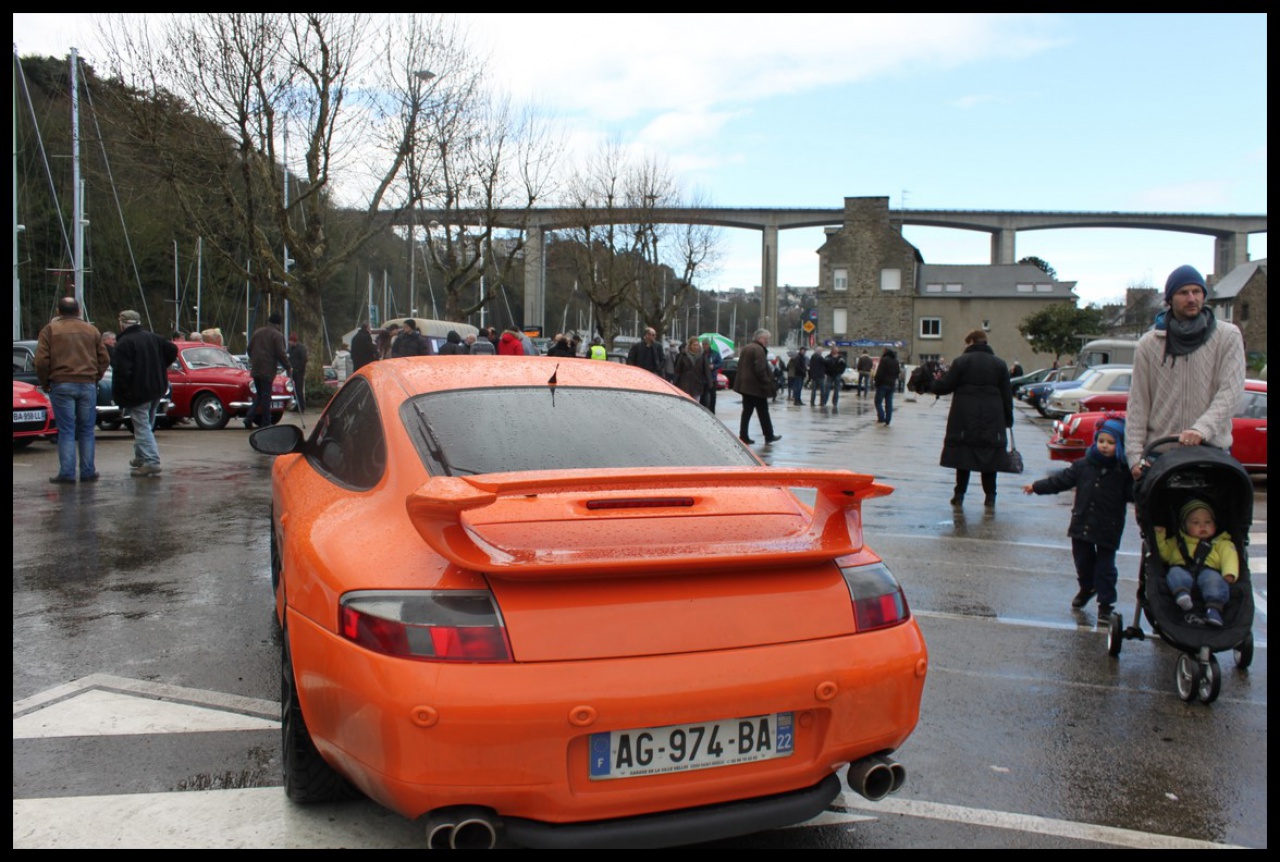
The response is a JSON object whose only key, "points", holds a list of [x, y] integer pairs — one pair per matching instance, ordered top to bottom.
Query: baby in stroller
{"points": [[1198, 554]]}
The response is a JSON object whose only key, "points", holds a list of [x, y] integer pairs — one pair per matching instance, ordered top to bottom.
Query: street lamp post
{"points": [[423, 75]]}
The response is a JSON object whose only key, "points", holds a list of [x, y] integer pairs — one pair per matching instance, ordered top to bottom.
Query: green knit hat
{"points": [[1190, 507]]}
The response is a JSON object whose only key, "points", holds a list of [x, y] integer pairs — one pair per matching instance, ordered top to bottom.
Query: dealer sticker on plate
{"points": [[683, 747]]}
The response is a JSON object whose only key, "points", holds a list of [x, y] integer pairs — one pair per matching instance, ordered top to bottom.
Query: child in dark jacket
{"points": [[1104, 485]]}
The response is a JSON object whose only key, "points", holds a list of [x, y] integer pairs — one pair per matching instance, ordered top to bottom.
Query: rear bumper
{"points": [[691, 826]]}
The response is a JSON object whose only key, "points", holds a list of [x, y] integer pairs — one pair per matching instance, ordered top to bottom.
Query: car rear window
{"points": [[208, 357], [512, 429]]}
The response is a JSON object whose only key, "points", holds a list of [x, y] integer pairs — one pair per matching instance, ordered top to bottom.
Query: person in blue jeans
{"points": [[70, 360], [886, 380], [1201, 556]]}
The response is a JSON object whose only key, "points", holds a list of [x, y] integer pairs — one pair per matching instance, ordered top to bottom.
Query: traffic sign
{"points": [[808, 326]]}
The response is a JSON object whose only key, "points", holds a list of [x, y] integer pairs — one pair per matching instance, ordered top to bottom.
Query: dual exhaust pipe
{"points": [[877, 776], [462, 828]]}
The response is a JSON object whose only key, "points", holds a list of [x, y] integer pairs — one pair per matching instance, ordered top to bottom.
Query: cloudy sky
{"points": [[1130, 113]]}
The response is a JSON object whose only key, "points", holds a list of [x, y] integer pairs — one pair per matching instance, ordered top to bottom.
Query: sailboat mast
{"points": [[77, 192]]}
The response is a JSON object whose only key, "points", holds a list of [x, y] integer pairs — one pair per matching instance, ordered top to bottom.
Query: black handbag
{"points": [[1011, 461]]}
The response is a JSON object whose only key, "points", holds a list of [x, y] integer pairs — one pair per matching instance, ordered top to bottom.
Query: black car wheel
{"points": [[209, 413], [307, 777]]}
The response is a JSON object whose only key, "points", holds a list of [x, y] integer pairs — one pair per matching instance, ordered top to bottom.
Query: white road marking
{"points": [[113, 714], [212, 819], [1027, 823]]}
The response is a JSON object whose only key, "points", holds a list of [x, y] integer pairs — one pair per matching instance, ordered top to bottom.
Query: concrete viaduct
{"points": [[1230, 233]]}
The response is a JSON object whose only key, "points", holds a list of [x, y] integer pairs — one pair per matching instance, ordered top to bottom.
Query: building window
{"points": [[840, 279], [891, 279], [936, 287], [952, 287], [1026, 287], [1044, 288], [1244, 312], [839, 321], [931, 327], [930, 357]]}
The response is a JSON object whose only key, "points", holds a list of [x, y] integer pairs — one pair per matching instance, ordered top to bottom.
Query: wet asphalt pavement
{"points": [[1030, 736]]}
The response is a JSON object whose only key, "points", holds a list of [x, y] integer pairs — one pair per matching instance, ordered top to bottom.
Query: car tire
{"points": [[208, 412], [276, 417], [109, 424], [23, 442], [307, 777]]}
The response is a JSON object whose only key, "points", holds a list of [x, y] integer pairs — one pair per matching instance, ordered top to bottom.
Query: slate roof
{"points": [[1233, 282]]}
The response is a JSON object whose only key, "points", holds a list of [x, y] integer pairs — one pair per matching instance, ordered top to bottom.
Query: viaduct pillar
{"points": [[769, 282], [535, 296]]}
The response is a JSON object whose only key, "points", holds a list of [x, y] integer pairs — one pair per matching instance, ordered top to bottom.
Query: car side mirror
{"points": [[277, 440]]}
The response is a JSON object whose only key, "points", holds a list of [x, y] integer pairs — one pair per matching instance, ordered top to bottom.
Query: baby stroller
{"points": [[1174, 478]]}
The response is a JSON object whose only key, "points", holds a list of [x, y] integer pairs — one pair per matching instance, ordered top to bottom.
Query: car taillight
{"points": [[878, 600], [426, 625]]}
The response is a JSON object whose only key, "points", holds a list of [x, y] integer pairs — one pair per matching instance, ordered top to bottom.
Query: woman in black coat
{"points": [[981, 410]]}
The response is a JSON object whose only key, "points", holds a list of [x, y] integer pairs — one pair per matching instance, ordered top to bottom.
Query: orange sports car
{"points": [[556, 603]]}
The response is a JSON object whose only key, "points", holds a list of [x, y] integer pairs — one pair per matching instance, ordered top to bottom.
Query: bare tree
{"points": [[330, 85], [478, 156], [608, 241], [627, 257]]}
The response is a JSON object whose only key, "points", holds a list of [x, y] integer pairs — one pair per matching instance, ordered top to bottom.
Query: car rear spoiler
{"points": [[832, 529]]}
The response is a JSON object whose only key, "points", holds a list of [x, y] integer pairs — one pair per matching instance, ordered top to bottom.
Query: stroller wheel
{"points": [[1115, 634], [1244, 652], [1184, 676], [1210, 681]]}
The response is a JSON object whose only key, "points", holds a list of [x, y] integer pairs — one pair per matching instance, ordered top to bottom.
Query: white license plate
{"points": [[28, 416], [683, 747]]}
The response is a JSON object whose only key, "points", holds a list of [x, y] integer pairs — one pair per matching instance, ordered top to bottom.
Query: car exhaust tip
{"points": [[898, 770], [875, 778], [462, 828]]}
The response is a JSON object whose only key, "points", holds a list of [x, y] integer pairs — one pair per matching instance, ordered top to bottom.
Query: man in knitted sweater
{"points": [[1188, 373]]}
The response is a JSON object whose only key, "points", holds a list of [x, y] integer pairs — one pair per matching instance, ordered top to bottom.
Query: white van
{"points": [[435, 331], [1108, 351]]}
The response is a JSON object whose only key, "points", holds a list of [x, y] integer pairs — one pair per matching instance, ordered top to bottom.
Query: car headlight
{"points": [[288, 385], [253, 388]]}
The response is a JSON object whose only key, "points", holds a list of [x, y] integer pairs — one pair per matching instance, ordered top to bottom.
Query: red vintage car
{"points": [[209, 387], [32, 415], [1073, 435]]}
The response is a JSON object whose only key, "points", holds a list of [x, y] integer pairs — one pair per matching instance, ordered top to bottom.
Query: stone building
{"points": [[875, 286], [1241, 298]]}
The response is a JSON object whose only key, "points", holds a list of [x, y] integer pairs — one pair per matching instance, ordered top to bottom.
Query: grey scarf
{"points": [[1183, 337]]}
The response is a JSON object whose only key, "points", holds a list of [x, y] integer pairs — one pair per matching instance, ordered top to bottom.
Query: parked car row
{"points": [[206, 385], [110, 416], [1073, 435]]}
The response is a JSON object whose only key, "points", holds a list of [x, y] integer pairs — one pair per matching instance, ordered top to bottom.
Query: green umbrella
{"points": [[721, 343]]}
